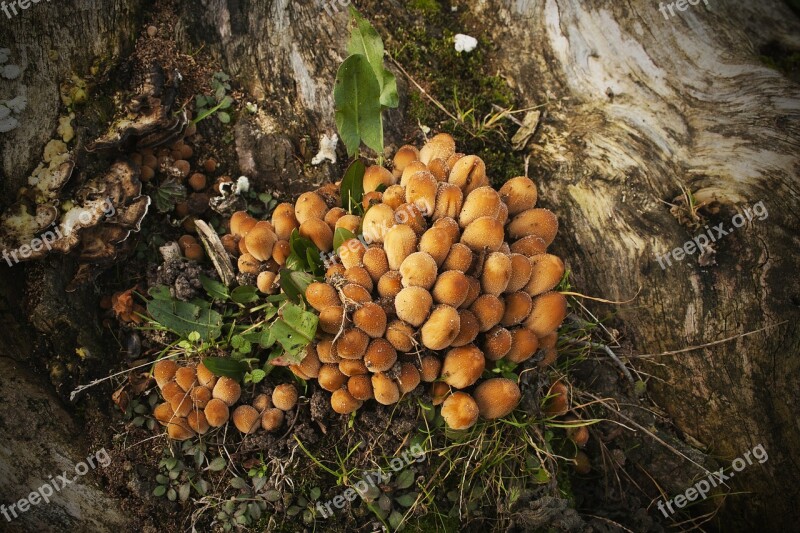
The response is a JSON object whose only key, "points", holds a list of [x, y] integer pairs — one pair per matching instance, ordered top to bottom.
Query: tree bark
{"points": [[638, 105]]}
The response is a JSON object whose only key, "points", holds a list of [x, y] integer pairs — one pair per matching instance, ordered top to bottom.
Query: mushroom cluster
{"points": [[447, 277], [196, 400]]}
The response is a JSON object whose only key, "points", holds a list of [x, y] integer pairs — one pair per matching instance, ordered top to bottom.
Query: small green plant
{"points": [[364, 88], [218, 102]]}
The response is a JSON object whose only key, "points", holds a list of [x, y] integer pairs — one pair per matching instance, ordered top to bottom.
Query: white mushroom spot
{"points": [[465, 43], [327, 149]]}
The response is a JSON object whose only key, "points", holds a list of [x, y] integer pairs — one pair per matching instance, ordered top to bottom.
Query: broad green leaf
{"points": [[364, 40], [357, 96], [226, 102], [224, 117], [352, 188], [170, 192], [340, 236], [300, 248], [294, 283], [214, 288], [159, 292], [244, 294], [185, 317], [294, 331], [225, 366], [257, 375], [217, 464], [405, 479], [238, 483], [159, 490], [183, 492], [407, 500], [395, 519]]}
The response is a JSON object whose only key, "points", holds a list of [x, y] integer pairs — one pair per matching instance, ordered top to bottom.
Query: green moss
{"points": [[426, 6], [464, 84]]}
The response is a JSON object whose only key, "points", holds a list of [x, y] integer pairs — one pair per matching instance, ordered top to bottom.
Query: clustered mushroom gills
{"points": [[449, 276], [196, 400]]}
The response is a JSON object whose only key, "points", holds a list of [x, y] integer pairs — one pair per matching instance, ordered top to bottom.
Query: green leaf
{"points": [[365, 40], [356, 97], [226, 102], [224, 117], [352, 187], [169, 193], [340, 236], [300, 246], [294, 283], [214, 288], [159, 292], [244, 294], [186, 317], [294, 331], [225, 366], [257, 375], [217, 464], [405, 479], [238, 483], [159, 490], [183, 492], [315, 493], [171, 495], [407, 500], [395, 519]]}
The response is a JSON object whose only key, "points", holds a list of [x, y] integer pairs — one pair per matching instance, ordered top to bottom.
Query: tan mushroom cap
{"points": [[440, 146], [404, 156], [439, 168], [411, 169], [469, 173], [421, 189], [519, 194], [394, 196], [449, 201], [481, 202], [310, 205], [333, 216], [412, 216], [284, 221], [377, 221], [538, 221], [348, 222], [241, 223], [451, 226], [319, 232], [483, 232], [260, 241], [399, 243], [437, 243], [529, 246], [351, 253], [460, 258], [376, 263], [248, 264], [418, 270], [520, 272], [546, 272], [496, 273], [359, 276], [266, 282], [390, 284], [451, 288], [356, 293], [322, 296], [412, 305], [518, 308], [489, 311], [548, 311], [331, 319], [371, 319], [441, 328], [469, 328], [400, 335], [496, 343], [351, 344], [524, 344], [548, 345], [380, 356], [310, 364], [463, 366], [352, 367], [431, 367], [163, 371], [186, 377], [330, 377], [408, 379], [360, 387], [385, 389], [228, 390], [439, 392], [200, 396], [284, 397], [497, 397], [343, 402], [557, 402], [261, 403], [460, 411], [163, 413], [217, 413], [246, 419], [272, 419], [197, 421], [178, 429]]}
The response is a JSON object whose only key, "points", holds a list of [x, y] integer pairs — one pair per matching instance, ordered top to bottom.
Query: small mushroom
{"points": [[440, 146], [404, 156], [469, 173], [375, 176], [421, 190], [519, 194], [481, 202], [308, 206], [284, 221], [377, 221], [538, 221], [318, 232], [483, 232], [260, 240], [436, 242], [399, 243], [459, 258], [376, 263], [418, 270], [520, 272], [546, 272], [496, 273], [359, 276], [390, 284], [451, 288], [322, 296], [413, 304], [518, 307], [489, 311], [547, 313], [370, 318], [331, 319], [441, 328], [469, 328], [400, 335], [496, 343], [352, 344], [524, 344], [380, 356], [431, 366], [463, 366], [164, 370], [186, 377], [205, 377], [330, 377], [408, 379], [360, 387], [385, 389], [228, 390], [200, 396], [284, 397], [497, 397], [343, 402], [261, 403], [460, 411], [163, 413], [217, 413], [246, 419], [272, 419], [197, 421], [178, 429]]}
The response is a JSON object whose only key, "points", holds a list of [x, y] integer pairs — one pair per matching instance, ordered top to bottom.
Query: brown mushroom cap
{"points": [[440, 146], [404, 156], [439, 169], [469, 173], [375, 176], [421, 191], [519, 194], [394, 196], [449, 201], [481, 202], [310, 205], [333, 216], [412, 216], [284, 221], [377, 221], [538, 221], [348, 222], [241, 223], [451, 226], [318, 231], [483, 232], [260, 240], [399, 243], [437, 243], [529, 246], [351, 252], [460, 258], [376, 263], [248, 264], [418, 270], [520, 272], [546, 272], [496, 273], [359, 276], [266, 282], [390, 284], [451, 288], [356, 293], [322, 296], [413, 304], [518, 307], [489, 310], [548, 311], [370, 318], [441, 328], [469, 328], [400, 335], [496, 343], [351, 344], [524, 344], [548, 345], [380, 356], [310, 364], [463, 366], [352, 367], [431, 367], [164, 370], [186, 377], [330, 377], [408, 379], [360, 387], [385, 389], [228, 390], [439, 392], [200, 396], [284, 397], [497, 397], [343, 402], [557, 402], [261, 403], [460, 411], [163, 413], [217, 413], [246, 419], [272, 419], [197, 421], [178, 429]]}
